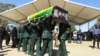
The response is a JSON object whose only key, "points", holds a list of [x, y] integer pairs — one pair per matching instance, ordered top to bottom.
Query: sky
{"points": [[16, 2], [93, 3], [84, 27]]}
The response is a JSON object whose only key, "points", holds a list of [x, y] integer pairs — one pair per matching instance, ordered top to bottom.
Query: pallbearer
{"points": [[52, 13], [20, 35], [47, 35], [26, 36], [34, 38], [62, 39]]}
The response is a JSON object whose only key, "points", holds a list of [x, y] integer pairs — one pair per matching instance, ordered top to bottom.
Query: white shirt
{"points": [[56, 26], [75, 33]]}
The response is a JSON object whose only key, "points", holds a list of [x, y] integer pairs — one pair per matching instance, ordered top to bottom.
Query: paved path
{"points": [[73, 49]]}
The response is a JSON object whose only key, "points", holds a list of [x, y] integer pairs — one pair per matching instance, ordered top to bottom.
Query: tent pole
{"points": [[88, 25], [79, 27]]}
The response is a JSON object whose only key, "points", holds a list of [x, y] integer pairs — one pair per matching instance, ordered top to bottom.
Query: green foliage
{"points": [[4, 7], [99, 19], [73, 28]]}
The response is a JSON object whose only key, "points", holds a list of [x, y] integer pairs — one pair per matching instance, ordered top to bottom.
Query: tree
{"points": [[4, 7], [98, 21], [73, 27]]}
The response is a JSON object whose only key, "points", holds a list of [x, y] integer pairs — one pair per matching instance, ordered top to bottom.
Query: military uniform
{"points": [[20, 36], [26, 36], [40, 36], [47, 36], [34, 39], [62, 39]]}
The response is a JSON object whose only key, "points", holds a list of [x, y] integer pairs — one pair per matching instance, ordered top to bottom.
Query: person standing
{"points": [[21, 32], [96, 32], [56, 33], [7, 35], [89, 35], [1, 36], [75, 36], [80, 37], [14, 38]]}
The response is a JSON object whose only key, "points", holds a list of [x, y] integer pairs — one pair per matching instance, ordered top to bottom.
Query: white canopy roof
{"points": [[78, 13]]}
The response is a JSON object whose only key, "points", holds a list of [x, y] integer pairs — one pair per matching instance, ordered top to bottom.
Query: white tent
{"points": [[78, 13]]}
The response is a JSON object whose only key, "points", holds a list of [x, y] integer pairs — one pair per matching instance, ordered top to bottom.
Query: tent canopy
{"points": [[78, 13]]}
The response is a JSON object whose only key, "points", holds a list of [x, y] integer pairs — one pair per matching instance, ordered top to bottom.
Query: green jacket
{"points": [[47, 28], [20, 31], [27, 31], [34, 31], [62, 31]]}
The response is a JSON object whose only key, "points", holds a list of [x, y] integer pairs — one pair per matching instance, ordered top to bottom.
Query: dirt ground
{"points": [[74, 49]]}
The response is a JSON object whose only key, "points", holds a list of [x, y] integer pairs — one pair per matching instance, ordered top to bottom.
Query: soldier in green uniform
{"points": [[47, 35], [20, 36], [26, 36], [40, 36], [23, 38], [62, 38], [34, 39]]}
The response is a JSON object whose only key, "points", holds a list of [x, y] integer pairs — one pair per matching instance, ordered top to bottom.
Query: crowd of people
{"points": [[45, 30], [38, 31], [7, 33], [93, 34], [23, 36], [77, 36]]}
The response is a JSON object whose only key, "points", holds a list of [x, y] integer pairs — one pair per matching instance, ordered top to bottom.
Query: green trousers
{"points": [[20, 42], [25, 43], [47, 44], [31, 46], [38, 47], [62, 48]]}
